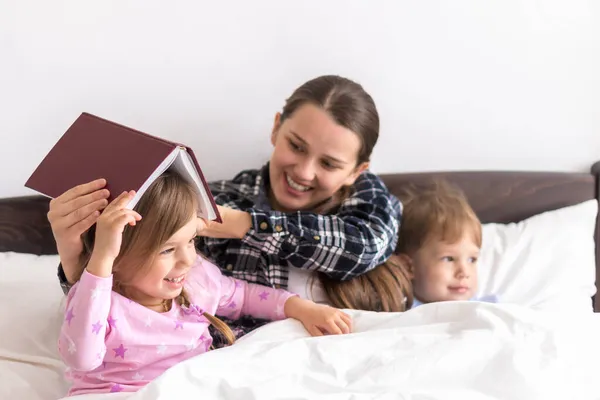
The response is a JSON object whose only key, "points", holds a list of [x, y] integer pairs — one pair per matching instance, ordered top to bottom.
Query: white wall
{"points": [[467, 84]]}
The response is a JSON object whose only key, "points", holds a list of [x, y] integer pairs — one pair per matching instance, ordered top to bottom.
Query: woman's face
{"points": [[313, 157]]}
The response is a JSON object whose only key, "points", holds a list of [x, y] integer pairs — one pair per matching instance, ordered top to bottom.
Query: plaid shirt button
{"points": [[263, 225], [278, 228]]}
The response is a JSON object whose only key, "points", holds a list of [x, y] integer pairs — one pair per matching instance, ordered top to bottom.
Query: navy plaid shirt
{"points": [[360, 234]]}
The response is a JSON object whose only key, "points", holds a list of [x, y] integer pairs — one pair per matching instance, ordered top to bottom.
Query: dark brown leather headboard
{"points": [[496, 196], [512, 196], [24, 227]]}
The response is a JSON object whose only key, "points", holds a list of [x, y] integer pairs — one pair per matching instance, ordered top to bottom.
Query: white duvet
{"points": [[455, 350]]}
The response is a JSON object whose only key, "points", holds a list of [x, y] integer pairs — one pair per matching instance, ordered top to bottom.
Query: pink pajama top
{"points": [[111, 344]]}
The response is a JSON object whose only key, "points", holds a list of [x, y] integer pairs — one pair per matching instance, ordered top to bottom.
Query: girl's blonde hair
{"points": [[165, 207]]}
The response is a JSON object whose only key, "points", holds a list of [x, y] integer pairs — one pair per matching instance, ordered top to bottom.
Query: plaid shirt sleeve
{"points": [[360, 236], [62, 280]]}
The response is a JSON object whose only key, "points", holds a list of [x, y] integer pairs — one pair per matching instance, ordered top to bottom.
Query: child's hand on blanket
{"points": [[318, 319]]}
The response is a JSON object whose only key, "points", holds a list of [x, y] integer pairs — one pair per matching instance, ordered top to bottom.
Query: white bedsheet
{"points": [[437, 351]]}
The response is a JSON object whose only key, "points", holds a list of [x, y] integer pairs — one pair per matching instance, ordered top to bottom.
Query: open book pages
{"points": [[180, 161]]}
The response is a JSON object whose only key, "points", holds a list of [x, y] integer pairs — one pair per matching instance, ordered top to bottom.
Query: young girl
{"points": [[313, 207], [435, 259], [145, 299]]}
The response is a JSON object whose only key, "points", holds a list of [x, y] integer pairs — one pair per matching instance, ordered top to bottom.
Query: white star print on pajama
{"points": [[112, 344]]}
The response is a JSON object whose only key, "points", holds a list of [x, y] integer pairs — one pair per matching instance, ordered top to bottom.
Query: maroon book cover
{"points": [[95, 148]]}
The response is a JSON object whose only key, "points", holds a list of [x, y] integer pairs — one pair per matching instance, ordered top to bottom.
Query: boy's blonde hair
{"points": [[165, 207], [437, 211]]}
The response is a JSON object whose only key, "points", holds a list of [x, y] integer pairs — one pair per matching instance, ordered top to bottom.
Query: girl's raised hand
{"points": [[110, 226], [318, 319]]}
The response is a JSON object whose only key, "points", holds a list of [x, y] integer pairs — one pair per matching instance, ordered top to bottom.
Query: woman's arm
{"points": [[70, 215], [235, 224], [359, 237], [82, 345]]}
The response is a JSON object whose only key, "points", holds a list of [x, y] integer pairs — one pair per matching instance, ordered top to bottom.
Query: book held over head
{"points": [[128, 159]]}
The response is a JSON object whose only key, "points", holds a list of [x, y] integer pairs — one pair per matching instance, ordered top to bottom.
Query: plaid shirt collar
{"points": [[261, 188], [259, 193]]}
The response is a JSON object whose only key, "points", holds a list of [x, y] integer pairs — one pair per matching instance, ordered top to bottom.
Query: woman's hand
{"points": [[70, 215], [235, 224], [109, 234], [318, 319]]}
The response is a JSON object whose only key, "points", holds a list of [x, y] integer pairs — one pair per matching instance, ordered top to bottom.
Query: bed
{"points": [[542, 253]]}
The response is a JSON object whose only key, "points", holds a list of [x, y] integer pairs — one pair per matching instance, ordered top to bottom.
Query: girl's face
{"points": [[313, 157], [164, 278]]}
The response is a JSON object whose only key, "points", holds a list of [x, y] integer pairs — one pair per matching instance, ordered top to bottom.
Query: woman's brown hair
{"points": [[346, 102], [165, 207]]}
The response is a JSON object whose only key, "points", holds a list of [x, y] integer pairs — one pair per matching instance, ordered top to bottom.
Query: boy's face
{"points": [[445, 271]]}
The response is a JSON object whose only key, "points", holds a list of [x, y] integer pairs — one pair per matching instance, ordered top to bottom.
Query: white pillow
{"points": [[544, 262], [31, 314]]}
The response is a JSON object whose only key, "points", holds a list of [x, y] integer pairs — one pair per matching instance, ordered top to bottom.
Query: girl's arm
{"points": [[359, 237], [234, 297], [239, 298], [242, 298], [87, 319], [81, 341]]}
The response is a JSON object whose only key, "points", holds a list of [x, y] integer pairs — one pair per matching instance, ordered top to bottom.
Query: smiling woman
{"points": [[314, 206]]}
